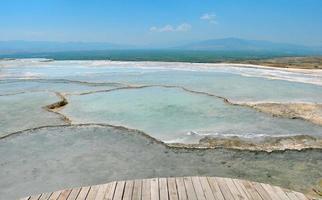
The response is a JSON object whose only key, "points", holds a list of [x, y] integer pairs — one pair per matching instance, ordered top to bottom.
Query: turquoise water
{"points": [[155, 55], [234, 83], [230, 85], [13, 86], [169, 114], [175, 115]]}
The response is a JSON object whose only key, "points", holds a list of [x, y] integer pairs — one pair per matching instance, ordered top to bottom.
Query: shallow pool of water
{"points": [[24, 111], [170, 114], [176, 115]]}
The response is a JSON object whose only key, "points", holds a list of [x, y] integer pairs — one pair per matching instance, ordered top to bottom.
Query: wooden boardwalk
{"points": [[186, 188]]}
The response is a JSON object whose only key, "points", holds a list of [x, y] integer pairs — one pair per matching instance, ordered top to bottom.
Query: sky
{"points": [[161, 22]]}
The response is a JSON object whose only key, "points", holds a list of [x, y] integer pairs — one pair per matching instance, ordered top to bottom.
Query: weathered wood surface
{"points": [[175, 188]]}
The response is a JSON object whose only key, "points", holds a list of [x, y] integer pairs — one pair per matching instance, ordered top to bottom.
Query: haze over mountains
{"points": [[226, 44], [237, 44], [46, 46]]}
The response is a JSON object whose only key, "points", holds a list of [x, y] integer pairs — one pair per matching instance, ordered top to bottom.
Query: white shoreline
{"points": [[153, 63], [308, 76]]}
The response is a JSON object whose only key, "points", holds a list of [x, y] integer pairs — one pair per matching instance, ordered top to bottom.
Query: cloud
{"points": [[209, 17], [183, 27], [166, 28], [169, 28]]}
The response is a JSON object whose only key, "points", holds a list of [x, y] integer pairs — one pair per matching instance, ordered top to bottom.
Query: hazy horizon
{"points": [[163, 45]]}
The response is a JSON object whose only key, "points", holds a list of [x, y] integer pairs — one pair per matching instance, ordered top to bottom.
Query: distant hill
{"points": [[226, 44], [236, 44], [44, 46]]}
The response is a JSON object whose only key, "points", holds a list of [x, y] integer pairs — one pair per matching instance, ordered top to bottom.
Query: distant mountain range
{"points": [[226, 44], [236, 44], [44, 46]]}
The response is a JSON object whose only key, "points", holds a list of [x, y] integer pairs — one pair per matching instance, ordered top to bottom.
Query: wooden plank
{"points": [[197, 185], [163, 187], [172, 188], [187, 188], [206, 188], [215, 188], [224, 188], [241, 188], [146, 189], [110, 190], [119, 190], [128, 190], [137, 190], [234, 190], [251, 190], [270, 191], [92, 192], [101, 192], [74, 193], [83, 193], [191, 193], [263, 193], [280, 193], [64, 194], [182, 194], [55, 195], [155, 195], [45, 196], [292, 196], [300, 196], [35, 197], [25, 198]]}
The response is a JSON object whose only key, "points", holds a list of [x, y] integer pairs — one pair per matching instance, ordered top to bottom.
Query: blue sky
{"points": [[161, 22]]}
